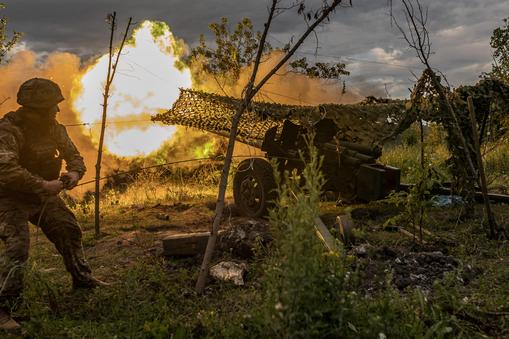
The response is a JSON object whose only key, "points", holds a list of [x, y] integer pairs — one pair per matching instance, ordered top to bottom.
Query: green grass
{"points": [[406, 155], [153, 297]]}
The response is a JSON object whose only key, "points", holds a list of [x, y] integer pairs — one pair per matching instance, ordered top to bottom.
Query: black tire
{"points": [[254, 187]]}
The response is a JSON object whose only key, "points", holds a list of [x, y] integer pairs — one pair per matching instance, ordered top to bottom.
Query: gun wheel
{"points": [[253, 187]]}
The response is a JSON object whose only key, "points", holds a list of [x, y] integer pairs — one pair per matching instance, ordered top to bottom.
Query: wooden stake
{"points": [[109, 80], [484, 187], [421, 208], [323, 232]]}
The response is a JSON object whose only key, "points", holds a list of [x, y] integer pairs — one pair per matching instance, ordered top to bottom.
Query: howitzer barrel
{"points": [[372, 151], [364, 158]]}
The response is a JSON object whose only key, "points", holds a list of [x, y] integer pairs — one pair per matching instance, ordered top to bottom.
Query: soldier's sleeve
{"points": [[73, 159], [12, 175]]}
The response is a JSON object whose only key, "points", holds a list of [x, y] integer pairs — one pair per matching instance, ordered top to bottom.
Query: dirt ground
{"points": [[132, 242], [381, 254]]}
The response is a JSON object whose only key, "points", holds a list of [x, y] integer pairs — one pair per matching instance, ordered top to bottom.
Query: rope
{"points": [[108, 122], [220, 158]]}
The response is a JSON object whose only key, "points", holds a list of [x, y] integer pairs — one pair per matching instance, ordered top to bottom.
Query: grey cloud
{"points": [[78, 26]]}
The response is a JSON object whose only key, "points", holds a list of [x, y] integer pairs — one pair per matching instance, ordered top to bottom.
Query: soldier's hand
{"points": [[72, 179], [52, 187]]}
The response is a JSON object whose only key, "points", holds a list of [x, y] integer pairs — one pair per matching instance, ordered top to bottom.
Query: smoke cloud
{"points": [[64, 69], [285, 87]]}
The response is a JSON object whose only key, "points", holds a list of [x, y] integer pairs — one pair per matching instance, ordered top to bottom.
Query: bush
{"points": [[304, 284], [310, 293]]}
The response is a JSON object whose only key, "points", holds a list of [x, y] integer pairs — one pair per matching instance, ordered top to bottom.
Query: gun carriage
{"points": [[349, 138]]}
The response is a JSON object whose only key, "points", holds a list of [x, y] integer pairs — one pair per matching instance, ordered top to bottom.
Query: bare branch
{"points": [[325, 14], [124, 38], [112, 68], [250, 84], [220, 85], [249, 92]]}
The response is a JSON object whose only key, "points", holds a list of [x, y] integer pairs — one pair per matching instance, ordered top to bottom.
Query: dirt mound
{"points": [[244, 235], [406, 269], [421, 269]]}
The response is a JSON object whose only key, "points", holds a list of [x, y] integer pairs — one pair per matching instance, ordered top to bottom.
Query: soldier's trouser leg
{"points": [[61, 227], [16, 238]]}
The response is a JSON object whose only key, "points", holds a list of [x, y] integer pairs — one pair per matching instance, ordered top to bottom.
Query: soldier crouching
{"points": [[32, 147]]}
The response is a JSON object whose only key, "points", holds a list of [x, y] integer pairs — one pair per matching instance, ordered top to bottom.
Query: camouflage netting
{"points": [[491, 102], [367, 123]]}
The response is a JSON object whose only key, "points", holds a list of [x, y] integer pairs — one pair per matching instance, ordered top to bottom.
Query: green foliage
{"points": [[6, 42], [500, 43], [233, 49], [180, 50], [320, 69], [410, 137], [208, 149], [405, 153], [496, 165], [415, 203], [303, 281], [313, 294], [152, 297]]}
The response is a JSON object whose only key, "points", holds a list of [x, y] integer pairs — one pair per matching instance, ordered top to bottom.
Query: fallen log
{"points": [[412, 235]]}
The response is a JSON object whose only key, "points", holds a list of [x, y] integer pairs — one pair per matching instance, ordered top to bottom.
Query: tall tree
{"points": [[313, 18], [6, 42], [500, 43], [234, 50]]}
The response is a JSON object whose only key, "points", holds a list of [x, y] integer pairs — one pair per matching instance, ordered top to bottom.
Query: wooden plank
{"points": [[425, 231], [323, 233], [410, 235], [185, 245]]}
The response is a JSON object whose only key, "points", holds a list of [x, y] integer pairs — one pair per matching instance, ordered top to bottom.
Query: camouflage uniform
{"points": [[29, 156]]}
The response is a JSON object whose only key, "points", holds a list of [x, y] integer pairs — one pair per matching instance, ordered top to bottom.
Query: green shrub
{"points": [[303, 282], [310, 293]]}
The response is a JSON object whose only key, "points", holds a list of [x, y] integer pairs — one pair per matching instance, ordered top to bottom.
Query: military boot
{"points": [[6, 321]]}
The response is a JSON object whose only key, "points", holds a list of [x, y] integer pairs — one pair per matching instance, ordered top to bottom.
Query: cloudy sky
{"points": [[361, 36]]}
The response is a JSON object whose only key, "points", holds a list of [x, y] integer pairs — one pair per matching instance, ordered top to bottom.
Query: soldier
{"points": [[32, 147]]}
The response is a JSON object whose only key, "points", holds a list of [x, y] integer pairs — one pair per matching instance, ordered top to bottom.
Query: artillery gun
{"points": [[348, 137], [350, 169]]}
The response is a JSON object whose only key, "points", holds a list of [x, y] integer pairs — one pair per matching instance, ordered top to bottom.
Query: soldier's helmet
{"points": [[39, 93]]}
